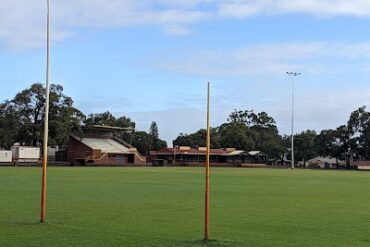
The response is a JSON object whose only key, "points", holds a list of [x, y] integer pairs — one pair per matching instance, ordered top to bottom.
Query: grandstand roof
{"points": [[106, 145]]}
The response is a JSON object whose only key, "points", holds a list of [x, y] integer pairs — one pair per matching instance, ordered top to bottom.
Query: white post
{"points": [[46, 121]]}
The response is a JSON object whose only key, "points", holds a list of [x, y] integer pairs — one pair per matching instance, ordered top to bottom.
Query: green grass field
{"points": [[164, 207]]}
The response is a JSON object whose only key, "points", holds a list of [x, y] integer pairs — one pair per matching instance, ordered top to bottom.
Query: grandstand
{"points": [[105, 145], [100, 148]]}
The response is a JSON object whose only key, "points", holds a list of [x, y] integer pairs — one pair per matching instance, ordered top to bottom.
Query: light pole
{"points": [[292, 75]]}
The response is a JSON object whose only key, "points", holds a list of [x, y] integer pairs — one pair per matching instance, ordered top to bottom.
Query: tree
{"points": [[23, 116], [243, 117], [105, 118], [64, 119], [22, 120], [125, 122], [9, 125], [262, 129], [359, 129], [244, 130], [154, 133], [237, 135], [267, 137], [343, 137], [198, 139], [183, 140], [142, 141], [350, 141], [157, 143], [327, 144], [305, 148]]}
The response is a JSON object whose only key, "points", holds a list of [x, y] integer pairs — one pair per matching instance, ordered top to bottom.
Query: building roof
{"points": [[106, 128], [106, 145], [192, 151], [202, 151], [236, 152], [256, 153], [322, 160]]}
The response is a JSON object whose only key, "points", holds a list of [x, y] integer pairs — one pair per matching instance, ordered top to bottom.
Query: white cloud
{"points": [[324, 8], [238, 9], [22, 23], [176, 30], [271, 59], [320, 110]]}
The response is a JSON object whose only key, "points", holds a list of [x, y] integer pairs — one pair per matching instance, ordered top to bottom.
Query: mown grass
{"points": [[164, 207]]}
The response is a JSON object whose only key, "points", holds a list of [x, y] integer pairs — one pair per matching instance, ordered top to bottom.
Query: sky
{"points": [[150, 60]]}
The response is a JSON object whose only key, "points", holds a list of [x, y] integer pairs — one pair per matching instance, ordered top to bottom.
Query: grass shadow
{"points": [[21, 223], [214, 243]]}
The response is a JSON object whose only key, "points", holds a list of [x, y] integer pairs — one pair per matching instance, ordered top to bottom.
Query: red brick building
{"points": [[98, 146], [197, 157], [361, 165]]}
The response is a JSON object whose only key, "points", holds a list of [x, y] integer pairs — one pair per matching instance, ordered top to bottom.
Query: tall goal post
{"points": [[46, 122], [207, 168]]}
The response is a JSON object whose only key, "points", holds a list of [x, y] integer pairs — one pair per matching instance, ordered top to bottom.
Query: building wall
{"points": [[77, 150], [23, 154], [61, 155], [6, 156], [120, 159], [104, 160], [138, 160], [196, 160], [360, 167]]}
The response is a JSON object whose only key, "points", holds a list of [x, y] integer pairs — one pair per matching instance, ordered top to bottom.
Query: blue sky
{"points": [[151, 59]]}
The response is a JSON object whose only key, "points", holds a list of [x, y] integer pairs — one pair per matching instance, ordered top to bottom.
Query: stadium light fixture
{"points": [[292, 75], [46, 121]]}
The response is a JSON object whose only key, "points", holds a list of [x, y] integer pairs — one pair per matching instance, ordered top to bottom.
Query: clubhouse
{"points": [[185, 155]]}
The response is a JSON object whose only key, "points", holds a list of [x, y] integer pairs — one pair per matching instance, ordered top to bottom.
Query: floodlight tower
{"points": [[292, 75]]}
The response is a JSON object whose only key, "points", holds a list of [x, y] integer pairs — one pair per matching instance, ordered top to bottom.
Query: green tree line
{"points": [[22, 121], [247, 130]]}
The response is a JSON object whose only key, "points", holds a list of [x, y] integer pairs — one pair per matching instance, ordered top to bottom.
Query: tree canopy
{"points": [[22, 120], [244, 130], [247, 130]]}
